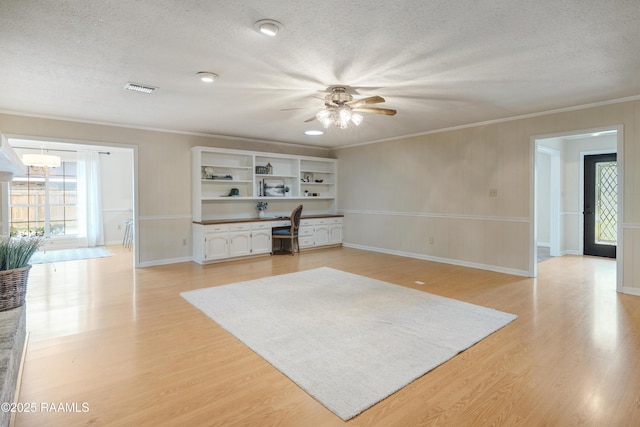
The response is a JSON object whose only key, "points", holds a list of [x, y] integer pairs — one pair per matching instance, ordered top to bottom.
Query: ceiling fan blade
{"points": [[369, 100], [298, 108], [385, 111], [310, 119]]}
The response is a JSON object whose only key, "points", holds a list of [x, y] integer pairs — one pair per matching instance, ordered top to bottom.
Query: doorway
{"points": [[566, 188], [86, 202], [600, 209]]}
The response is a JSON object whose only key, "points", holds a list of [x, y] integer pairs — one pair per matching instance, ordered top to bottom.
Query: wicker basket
{"points": [[13, 287]]}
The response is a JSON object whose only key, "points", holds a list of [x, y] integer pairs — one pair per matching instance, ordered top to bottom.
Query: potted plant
{"points": [[261, 206], [15, 254]]}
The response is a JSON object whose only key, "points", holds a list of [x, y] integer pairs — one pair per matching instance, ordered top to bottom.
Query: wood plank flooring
{"points": [[124, 342]]}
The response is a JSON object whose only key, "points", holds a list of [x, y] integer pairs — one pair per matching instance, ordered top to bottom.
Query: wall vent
{"points": [[139, 88]]}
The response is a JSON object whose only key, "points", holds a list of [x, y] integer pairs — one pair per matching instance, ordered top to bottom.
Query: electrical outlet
{"points": [[493, 192], [119, 227], [431, 240], [184, 242]]}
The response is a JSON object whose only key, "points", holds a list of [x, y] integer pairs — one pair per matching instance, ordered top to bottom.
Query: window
{"points": [[44, 201]]}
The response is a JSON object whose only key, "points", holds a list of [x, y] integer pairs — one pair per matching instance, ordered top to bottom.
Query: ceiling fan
{"points": [[341, 110]]}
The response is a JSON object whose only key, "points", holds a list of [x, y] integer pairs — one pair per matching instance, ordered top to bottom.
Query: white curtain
{"points": [[90, 198]]}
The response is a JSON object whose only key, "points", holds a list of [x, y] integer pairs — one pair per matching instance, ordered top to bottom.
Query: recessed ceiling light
{"points": [[268, 27], [207, 77], [139, 88], [313, 132]]}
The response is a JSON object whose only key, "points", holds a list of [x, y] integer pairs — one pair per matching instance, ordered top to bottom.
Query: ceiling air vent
{"points": [[139, 88]]}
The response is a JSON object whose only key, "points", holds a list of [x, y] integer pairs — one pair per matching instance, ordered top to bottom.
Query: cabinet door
{"points": [[335, 234], [321, 235], [261, 241], [239, 243], [216, 246]]}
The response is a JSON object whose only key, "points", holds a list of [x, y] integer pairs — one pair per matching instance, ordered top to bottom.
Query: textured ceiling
{"points": [[439, 63]]}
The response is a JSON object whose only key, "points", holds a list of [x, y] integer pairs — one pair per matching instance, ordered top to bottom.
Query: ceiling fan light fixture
{"points": [[268, 27], [207, 77], [325, 117], [357, 119], [313, 132]]}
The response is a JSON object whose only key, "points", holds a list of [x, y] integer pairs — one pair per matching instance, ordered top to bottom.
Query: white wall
{"points": [[163, 162], [116, 170], [398, 196], [543, 198]]}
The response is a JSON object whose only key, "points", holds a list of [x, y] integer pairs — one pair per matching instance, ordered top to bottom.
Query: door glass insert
{"points": [[606, 224]]}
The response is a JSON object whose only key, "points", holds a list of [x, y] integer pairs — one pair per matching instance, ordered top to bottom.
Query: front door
{"points": [[600, 205]]}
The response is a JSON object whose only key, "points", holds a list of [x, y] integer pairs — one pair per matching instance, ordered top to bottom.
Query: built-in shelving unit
{"points": [[228, 183]]}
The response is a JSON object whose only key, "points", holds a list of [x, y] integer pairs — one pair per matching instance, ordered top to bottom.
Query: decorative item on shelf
{"points": [[264, 170], [207, 172], [222, 177], [319, 181], [273, 188], [286, 190], [234, 192], [306, 193], [261, 206], [15, 254]]}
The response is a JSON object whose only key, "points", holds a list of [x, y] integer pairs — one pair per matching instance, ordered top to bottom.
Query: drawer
{"points": [[335, 220], [306, 222], [261, 225], [241, 226], [216, 228], [305, 231], [305, 242]]}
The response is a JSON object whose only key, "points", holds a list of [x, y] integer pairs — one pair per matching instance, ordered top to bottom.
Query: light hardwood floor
{"points": [[125, 342]]}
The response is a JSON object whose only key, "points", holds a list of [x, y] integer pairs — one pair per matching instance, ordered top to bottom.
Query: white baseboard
{"points": [[570, 252], [164, 262], [497, 269], [631, 291]]}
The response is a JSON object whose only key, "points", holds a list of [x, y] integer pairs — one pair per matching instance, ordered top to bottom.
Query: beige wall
{"points": [[163, 165], [398, 196]]}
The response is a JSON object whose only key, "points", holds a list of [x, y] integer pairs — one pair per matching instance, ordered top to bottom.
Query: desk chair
{"points": [[289, 233]]}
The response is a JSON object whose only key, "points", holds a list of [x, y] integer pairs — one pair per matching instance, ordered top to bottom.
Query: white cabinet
{"points": [[335, 231], [320, 232], [306, 234], [261, 237], [235, 239], [216, 242], [239, 243]]}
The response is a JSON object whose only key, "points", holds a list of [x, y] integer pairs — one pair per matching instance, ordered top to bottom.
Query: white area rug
{"points": [[60, 255], [347, 340]]}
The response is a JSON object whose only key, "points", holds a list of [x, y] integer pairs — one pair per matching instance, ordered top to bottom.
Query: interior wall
{"points": [[163, 163], [116, 182], [428, 196], [543, 198]]}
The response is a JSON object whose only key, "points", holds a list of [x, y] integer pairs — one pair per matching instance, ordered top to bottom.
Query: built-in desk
{"points": [[223, 239]]}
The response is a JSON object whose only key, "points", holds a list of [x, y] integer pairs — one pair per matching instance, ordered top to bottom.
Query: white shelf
{"points": [[207, 165], [302, 172], [262, 175], [222, 181], [207, 194], [278, 199]]}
